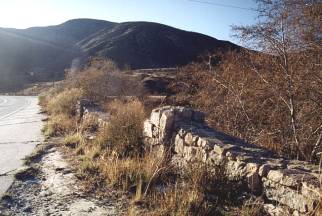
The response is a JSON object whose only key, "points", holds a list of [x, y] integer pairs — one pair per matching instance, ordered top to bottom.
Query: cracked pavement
{"points": [[20, 132]]}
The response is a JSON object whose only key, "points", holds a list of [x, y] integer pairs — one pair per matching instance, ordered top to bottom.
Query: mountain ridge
{"points": [[43, 53]]}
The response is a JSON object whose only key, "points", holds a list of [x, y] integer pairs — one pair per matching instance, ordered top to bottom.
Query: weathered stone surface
{"points": [[87, 110], [155, 117], [166, 126], [148, 128], [191, 139], [202, 142], [179, 145], [222, 149], [264, 169], [290, 177], [254, 182], [292, 185], [310, 189], [287, 196], [274, 210]]}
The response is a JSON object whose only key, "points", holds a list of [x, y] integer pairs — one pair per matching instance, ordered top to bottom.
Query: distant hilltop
{"points": [[43, 53]]}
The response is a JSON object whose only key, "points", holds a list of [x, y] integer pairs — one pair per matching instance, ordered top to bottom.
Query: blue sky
{"points": [[184, 14]]}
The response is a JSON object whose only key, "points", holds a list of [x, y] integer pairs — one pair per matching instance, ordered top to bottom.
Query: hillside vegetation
{"points": [[270, 98]]}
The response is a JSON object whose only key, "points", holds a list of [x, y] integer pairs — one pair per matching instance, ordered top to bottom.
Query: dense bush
{"points": [[101, 80], [246, 96], [65, 102], [58, 125], [123, 134]]}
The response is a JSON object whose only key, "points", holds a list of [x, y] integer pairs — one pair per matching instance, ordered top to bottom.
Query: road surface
{"points": [[20, 132]]}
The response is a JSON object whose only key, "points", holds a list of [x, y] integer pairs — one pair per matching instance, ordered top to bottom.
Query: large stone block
{"points": [[155, 117], [166, 126], [148, 129], [191, 139], [202, 142], [179, 145], [222, 149], [236, 169], [264, 169], [290, 177], [288, 196], [274, 210]]}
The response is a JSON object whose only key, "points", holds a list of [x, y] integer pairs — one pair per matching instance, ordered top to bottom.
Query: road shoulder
{"points": [[49, 186]]}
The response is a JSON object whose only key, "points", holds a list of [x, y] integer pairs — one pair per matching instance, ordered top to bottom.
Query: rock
{"points": [[155, 117], [166, 126], [148, 129], [182, 133], [191, 139], [202, 142], [179, 145], [222, 149], [231, 155], [264, 169], [289, 177], [254, 183], [291, 185], [312, 189], [27, 209], [276, 210]]}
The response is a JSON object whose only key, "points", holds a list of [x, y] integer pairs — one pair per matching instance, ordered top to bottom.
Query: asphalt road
{"points": [[20, 132]]}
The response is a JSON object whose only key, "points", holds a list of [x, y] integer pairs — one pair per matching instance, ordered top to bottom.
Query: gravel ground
{"points": [[50, 187]]}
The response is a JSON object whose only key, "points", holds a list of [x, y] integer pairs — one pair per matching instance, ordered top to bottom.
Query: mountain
{"points": [[149, 45], [43, 53]]}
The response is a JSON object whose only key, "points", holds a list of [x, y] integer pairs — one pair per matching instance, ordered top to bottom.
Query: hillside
{"points": [[150, 45], [43, 53]]}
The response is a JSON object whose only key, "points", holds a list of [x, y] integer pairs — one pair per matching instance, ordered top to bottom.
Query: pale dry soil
{"points": [[50, 187]]}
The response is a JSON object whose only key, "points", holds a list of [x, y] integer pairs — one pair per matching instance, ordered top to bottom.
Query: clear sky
{"points": [[206, 18]]}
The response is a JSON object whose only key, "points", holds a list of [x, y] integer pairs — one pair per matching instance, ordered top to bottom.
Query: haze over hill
{"points": [[43, 53]]}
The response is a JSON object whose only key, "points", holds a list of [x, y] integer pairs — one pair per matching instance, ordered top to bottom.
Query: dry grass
{"points": [[247, 96], [65, 102], [61, 106], [89, 124], [59, 125], [123, 134], [73, 140], [118, 149], [136, 174], [200, 191], [252, 208]]}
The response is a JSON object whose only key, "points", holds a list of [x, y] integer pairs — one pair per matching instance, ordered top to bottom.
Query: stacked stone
{"points": [[87, 110], [295, 188]]}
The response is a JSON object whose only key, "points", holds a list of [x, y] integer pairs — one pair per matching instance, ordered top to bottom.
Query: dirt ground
{"points": [[49, 186]]}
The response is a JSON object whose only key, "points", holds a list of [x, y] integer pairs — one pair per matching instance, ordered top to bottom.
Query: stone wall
{"points": [[87, 110], [288, 187]]}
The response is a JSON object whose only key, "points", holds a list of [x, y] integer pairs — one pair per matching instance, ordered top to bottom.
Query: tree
{"points": [[288, 31]]}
